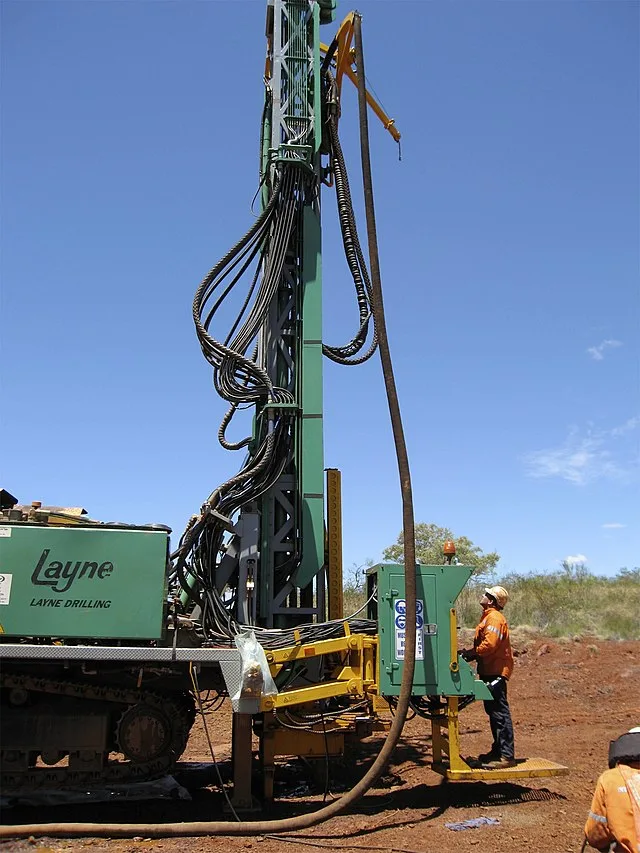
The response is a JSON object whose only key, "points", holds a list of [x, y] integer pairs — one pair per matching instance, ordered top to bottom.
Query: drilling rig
{"points": [[109, 635]]}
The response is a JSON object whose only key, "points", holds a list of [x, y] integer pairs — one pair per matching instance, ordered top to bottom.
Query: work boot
{"points": [[488, 756], [499, 763]]}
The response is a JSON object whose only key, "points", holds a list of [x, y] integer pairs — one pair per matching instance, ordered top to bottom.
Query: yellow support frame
{"points": [[334, 544], [354, 677], [448, 761]]}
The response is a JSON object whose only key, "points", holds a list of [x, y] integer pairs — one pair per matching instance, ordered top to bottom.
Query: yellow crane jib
{"points": [[341, 57]]}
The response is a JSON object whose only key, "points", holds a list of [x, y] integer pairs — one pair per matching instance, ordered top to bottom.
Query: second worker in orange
{"points": [[492, 652]]}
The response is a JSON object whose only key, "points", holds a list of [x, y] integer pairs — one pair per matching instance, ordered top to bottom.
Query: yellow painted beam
{"points": [[355, 642], [301, 695], [530, 768]]}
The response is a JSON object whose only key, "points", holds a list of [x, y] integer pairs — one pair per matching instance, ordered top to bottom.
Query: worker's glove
{"points": [[468, 654]]}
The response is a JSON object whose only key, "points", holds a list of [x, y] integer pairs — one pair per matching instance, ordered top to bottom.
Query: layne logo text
{"points": [[60, 576]]}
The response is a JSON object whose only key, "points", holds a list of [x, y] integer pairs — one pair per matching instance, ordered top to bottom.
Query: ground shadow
{"points": [[209, 803]]}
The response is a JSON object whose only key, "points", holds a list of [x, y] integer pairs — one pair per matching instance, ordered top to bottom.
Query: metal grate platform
{"points": [[526, 768]]}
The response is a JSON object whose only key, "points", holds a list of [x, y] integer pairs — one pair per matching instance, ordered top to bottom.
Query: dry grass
{"points": [[567, 604]]}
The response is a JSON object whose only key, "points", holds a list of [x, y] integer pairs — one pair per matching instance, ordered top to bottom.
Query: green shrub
{"points": [[568, 602]]}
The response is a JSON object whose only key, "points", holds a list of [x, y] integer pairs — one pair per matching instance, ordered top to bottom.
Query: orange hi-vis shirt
{"points": [[493, 645], [611, 819]]}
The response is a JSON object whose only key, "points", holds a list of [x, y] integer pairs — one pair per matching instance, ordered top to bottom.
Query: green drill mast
{"points": [[292, 511], [256, 553]]}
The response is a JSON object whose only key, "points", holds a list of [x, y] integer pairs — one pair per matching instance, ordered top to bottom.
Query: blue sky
{"points": [[509, 243]]}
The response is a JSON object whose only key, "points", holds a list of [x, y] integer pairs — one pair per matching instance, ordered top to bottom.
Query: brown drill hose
{"points": [[153, 830]]}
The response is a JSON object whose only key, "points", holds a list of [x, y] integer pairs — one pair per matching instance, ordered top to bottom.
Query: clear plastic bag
{"points": [[256, 680]]}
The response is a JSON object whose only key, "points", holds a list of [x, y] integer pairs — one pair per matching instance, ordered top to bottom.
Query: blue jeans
{"points": [[499, 716]]}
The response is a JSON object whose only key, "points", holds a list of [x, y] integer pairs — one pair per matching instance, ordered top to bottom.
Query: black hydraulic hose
{"points": [[353, 253], [408, 523], [154, 830]]}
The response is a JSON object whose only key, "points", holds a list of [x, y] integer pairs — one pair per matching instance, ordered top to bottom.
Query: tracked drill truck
{"points": [[109, 636]]}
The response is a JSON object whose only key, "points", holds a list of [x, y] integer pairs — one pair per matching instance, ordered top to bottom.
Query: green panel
{"points": [[311, 452], [82, 582], [438, 588]]}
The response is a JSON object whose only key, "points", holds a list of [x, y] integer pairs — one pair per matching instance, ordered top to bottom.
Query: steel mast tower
{"points": [[287, 530]]}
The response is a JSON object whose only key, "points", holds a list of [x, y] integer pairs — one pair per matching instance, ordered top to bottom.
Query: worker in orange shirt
{"points": [[492, 651], [614, 820]]}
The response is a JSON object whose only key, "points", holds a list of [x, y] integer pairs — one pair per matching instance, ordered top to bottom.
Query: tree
{"points": [[429, 543], [575, 570], [630, 574], [353, 580], [354, 588]]}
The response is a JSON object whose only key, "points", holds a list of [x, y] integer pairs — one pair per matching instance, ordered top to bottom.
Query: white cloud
{"points": [[597, 353], [627, 426], [583, 459], [578, 460], [613, 525], [577, 559]]}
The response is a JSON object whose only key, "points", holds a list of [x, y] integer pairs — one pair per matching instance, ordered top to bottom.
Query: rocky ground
{"points": [[568, 698]]}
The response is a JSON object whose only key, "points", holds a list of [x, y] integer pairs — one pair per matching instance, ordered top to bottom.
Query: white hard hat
{"points": [[499, 594]]}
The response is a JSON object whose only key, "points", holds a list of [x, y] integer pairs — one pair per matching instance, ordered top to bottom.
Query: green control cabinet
{"points": [[82, 582], [439, 670]]}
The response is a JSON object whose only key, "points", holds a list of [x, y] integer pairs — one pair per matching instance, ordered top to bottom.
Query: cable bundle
{"points": [[240, 379]]}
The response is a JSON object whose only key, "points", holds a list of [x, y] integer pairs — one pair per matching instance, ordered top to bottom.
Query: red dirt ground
{"points": [[568, 699]]}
